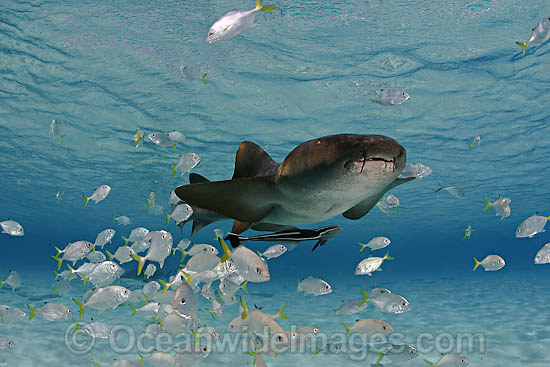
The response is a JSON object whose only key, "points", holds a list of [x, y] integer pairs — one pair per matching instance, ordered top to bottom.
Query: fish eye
{"points": [[258, 270], [327, 286], [183, 301], [404, 304], [384, 327], [315, 330], [280, 338], [204, 349]]}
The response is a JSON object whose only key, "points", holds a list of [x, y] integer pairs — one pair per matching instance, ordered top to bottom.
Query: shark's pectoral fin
{"points": [[244, 199], [366, 205], [240, 227]]}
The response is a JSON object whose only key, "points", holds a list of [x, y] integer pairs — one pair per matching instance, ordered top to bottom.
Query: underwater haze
{"points": [[308, 69]]}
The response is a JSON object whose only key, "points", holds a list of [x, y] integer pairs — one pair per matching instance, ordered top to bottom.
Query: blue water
{"points": [[306, 70]]}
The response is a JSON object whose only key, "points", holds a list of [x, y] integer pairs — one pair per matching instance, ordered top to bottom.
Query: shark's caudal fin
{"points": [[261, 7], [524, 45]]}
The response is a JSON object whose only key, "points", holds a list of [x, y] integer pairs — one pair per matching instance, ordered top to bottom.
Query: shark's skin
{"points": [[318, 180]]}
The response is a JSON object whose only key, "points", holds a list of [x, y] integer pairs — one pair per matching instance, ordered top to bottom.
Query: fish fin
{"points": [[261, 7], [522, 44], [61, 138], [138, 138], [175, 144], [469, 146], [252, 161], [173, 170], [196, 178], [87, 198], [244, 199], [148, 204], [489, 204], [359, 210], [167, 217], [240, 227], [465, 234], [233, 239], [125, 240], [320, 242], [363, 245], [227, 252], [259, 253], [109, 255], [183, 255], [388, 257], [140, 260], [59, 261], [477, 264], [84, 278], [1, 283], [165, 284], [52, 287], [243, 287], [298, 287], [365, 297], [80, 305], [245, 308], [134, 310], [33, 312], [210, 312], [281, 313], [76, 327], [347, 329], [380, 358], [142, 359], [429, 363]]}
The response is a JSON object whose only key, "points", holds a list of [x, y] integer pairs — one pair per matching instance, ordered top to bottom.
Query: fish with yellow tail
{"points": [[234, 22], [539, 34], [160, 249], [490, 263]]}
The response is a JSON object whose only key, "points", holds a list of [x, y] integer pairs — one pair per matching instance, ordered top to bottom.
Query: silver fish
{"points": [[391, 97], [98, 195], [531, 226], [12, 228], [104, 237], [543, 255], [13, 280], [315, 286], [51, 312]]}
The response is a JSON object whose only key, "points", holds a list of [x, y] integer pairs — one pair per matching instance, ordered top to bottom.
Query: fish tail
{"points": [[261, 7], [522, 44], [203, 78], [138, 138], [61, 139], [175, 144], [469, 146], [173, 170], [87, 198], [148, 203], [489, 204], [167, 217], [465, 234], [233, 239], [125, 240], [363, 245], [226, 250], [259, 253], [109, 255], [183, 255], [388, 257], [59, 261], [141, 262], [477, 264], [56, 275], [188, 277], [84, 278], [1, 283], [165, 285], [244, 287], [298, 287], [53, 289], [219, 296], [365, 297], [80, 305], [245, 308], [134, 310], [33, 312], [210, 312], [281, 313], [77, 327], [347, 328], [196, 340], [380, 358], [141, 359], [429, 363]]}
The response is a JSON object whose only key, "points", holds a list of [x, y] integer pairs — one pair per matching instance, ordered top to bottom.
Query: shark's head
{"points": [[340, 163]]}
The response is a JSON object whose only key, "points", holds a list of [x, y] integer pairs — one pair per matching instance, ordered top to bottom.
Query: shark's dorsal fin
{"points": [[252, 161], [196, 178], [242, 199], [366, 205]]}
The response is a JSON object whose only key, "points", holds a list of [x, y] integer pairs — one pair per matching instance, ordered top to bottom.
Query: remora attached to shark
{"points": [[338, 174]]}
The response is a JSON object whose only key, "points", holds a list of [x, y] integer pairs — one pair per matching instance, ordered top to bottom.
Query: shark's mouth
{"points": [[388, 161]]}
